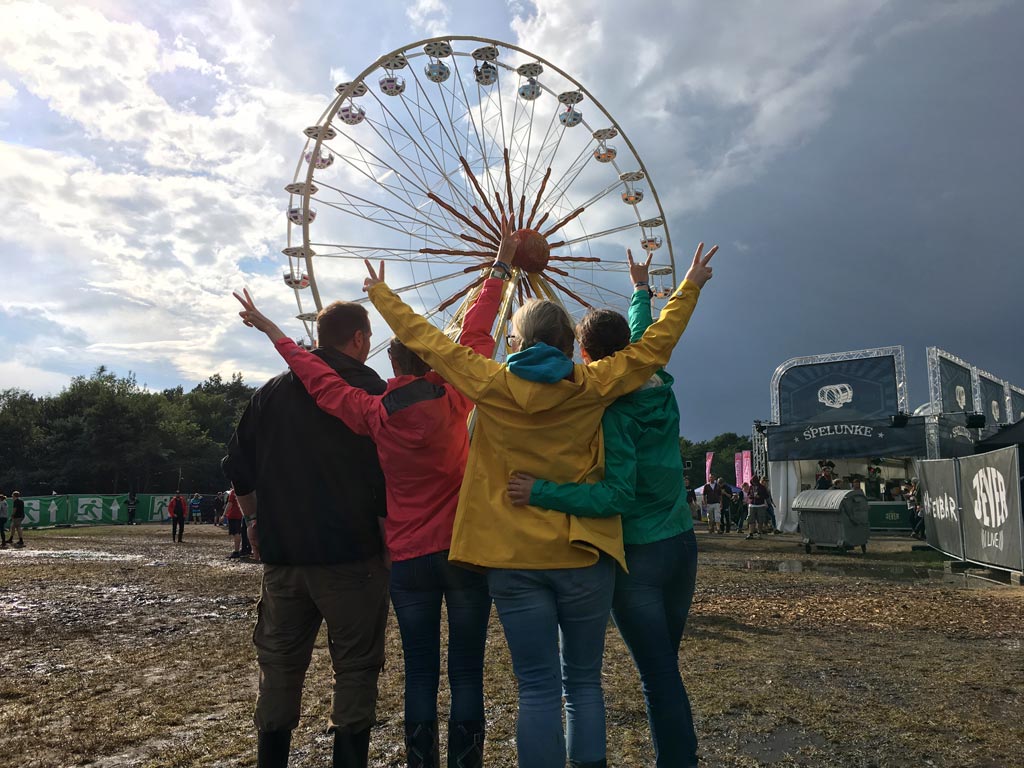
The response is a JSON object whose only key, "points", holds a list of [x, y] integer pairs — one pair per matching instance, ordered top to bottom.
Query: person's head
{"points": [[543, 321], [345, 326], [602, 333], [404, 361], [746, 486], [15, 494], [2, 497]]}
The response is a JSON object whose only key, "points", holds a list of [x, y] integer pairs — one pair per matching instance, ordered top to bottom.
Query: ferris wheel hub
{"points": [[533, 251]]}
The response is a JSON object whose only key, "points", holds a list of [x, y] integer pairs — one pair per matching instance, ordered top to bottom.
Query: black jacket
{"points": [[319, 488]]}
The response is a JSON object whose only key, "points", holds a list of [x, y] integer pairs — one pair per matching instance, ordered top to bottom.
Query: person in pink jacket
{"points": [[419, 427]]}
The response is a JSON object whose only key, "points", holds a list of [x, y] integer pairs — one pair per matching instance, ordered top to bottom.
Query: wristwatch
{"points": [[500, 270]]}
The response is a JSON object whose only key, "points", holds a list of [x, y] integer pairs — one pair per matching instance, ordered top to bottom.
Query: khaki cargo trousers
{"points": [[295, 599]]}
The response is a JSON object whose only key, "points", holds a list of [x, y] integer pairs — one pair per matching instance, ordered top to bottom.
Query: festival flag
{"points": [[738, 462], [707, 465], [748, 469]]}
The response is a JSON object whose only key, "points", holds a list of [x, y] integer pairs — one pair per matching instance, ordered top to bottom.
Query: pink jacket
{"points": [[419, 426]]}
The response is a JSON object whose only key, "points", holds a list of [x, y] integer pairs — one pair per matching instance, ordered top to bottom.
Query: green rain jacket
{"points": [[643, 480]]}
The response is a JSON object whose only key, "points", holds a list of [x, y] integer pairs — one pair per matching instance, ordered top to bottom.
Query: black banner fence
{"points": [[972, 507]]}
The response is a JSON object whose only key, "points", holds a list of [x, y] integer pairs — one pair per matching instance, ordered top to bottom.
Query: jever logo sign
{"points": [[991, 507]]}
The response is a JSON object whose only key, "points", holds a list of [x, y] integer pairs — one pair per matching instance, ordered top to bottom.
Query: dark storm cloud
{"points": [[897, 222]]}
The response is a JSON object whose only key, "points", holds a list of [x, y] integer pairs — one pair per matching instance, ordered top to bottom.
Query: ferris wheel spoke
{"points": [[472, 120], [420, 151], [531, 173], [565, 182], [462, 193], [406, 199], [369, 209], [465, 220], [393, 222], [593, 236], [404, 255], [575, 277], [417, 285], [571, 294]]}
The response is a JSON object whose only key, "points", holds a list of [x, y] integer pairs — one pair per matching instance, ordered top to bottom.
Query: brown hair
{"points": [[544, 321], [338, 322], [602, 333], [405, 360]]}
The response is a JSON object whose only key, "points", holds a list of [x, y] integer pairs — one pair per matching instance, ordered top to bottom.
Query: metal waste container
{"points": [[838, 519]]}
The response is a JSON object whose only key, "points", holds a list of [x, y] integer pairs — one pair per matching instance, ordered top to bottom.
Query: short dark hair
{"points": [[338, 322], [602, 332], [405, 360]]}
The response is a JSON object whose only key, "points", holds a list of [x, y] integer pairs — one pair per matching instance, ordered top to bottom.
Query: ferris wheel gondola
{"points": [[419, 171]]}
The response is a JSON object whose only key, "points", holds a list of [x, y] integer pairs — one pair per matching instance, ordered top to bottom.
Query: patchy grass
{"points": [[123, 649]]}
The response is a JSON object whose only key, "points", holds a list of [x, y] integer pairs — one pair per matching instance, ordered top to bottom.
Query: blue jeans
{"points": [[417, 589], [650, 609], [542, 611]]}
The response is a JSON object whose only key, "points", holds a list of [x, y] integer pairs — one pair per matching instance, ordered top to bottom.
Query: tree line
{"points": [[106, 434], [725, 447]]}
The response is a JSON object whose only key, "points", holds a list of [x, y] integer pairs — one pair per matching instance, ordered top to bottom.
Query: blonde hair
{"points": [[544, 321]]}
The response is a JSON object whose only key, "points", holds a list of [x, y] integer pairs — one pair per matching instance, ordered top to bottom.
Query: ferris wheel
{"points": [[415, 161]]}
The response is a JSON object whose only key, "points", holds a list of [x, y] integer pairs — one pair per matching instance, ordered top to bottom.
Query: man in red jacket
{"points": [[176, 509]]}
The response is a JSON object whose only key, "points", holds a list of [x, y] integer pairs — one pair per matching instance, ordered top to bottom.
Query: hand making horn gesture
{"points": [[699, 272], [639, 274], [253, 318]]}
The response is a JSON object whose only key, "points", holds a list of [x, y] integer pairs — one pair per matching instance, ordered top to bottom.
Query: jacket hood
{"points": [[541, 363], [649, 406], [418, 409]]}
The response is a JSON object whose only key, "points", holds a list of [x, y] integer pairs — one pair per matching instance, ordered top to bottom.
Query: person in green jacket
{"points": [[644, 484]]}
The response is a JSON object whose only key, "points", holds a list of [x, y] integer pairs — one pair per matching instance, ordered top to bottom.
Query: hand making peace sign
{"points": [[699, 271]]}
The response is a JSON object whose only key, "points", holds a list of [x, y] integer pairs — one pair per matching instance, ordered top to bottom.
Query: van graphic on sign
{"points": [[835, 395]]}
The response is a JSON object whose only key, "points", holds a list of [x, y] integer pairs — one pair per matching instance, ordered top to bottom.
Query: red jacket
{"points": [[419, 427], [177, 507], [232, 511]]}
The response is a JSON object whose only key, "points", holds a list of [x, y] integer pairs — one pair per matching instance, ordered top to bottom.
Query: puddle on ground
{"points": [[71, 554], [902, 573]]}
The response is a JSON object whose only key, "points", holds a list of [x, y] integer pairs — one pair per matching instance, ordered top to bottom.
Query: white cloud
{"points": [[429, 16], [8, 95]]}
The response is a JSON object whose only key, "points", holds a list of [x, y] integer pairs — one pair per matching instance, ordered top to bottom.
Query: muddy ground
{"points": [[120, 648]]}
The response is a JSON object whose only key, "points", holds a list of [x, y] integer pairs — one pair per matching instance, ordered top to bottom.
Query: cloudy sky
{"points": [[859, 162]]}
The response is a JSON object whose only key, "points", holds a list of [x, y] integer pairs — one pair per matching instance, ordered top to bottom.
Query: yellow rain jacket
{"points": [[548, 430]]}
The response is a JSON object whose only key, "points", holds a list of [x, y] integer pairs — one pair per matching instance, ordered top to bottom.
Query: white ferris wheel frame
{"points": [[305, 254]]}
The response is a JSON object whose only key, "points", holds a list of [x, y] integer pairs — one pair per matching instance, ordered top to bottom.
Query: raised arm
{"points": [[640, 318], [479, 319], [464, 367], [627, 369], [331, 392], [358, 409], [612, 496]]}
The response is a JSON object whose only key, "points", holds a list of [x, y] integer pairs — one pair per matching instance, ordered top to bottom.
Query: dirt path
{"points": [[123, 649]]}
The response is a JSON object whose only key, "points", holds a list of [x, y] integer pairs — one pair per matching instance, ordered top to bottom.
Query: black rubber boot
{"points": [[466, 743], [421, 747], [272, 749], [351, 750], [592, 764]]}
